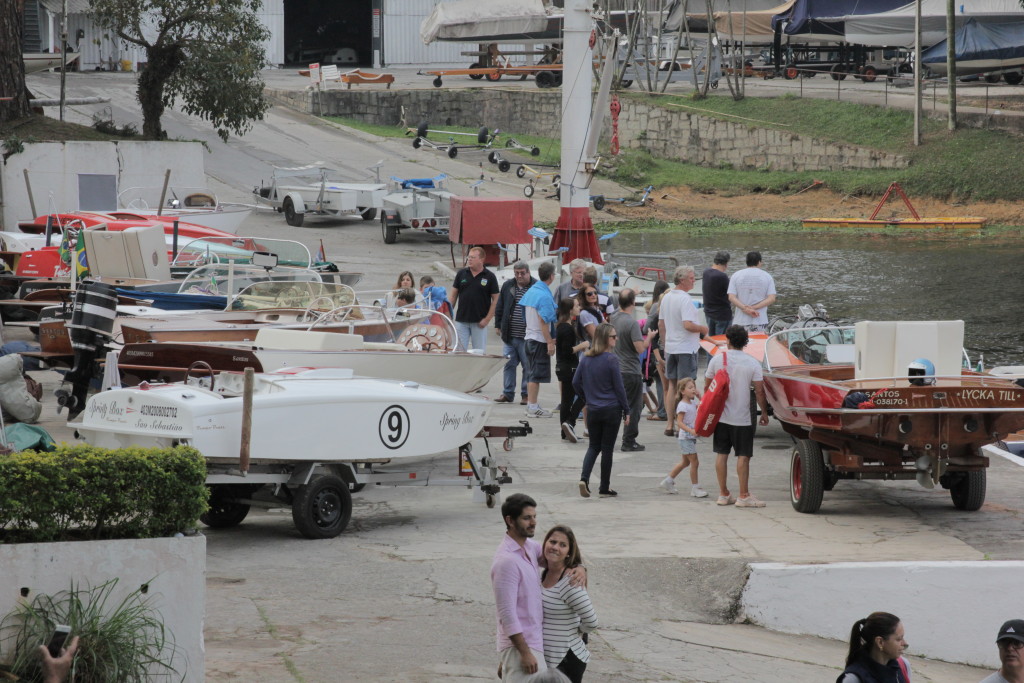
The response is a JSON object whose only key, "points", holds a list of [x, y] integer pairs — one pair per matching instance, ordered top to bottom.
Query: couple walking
{"points": [[540, 597]]}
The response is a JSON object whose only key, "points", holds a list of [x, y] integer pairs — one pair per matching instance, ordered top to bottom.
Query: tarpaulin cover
{"points": [[804, 19], [476, 20], [697, 21], [757, 27], [895, 28], [982, 40], [486, 220], [172, 301]]}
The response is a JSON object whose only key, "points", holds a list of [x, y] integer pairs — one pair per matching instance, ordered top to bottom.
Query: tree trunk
{"points": [[160, 65], [12, 68]]}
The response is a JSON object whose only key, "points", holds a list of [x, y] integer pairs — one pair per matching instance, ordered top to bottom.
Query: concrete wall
{"points": [[666, 132], [54, 167], [174, 568], [950, 610]]}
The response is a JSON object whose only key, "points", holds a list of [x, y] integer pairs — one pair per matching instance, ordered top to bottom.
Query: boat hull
{"points": [[167, 362], [312, 416]]}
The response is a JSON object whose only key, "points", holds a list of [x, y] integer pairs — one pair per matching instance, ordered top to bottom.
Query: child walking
{"points": [[686, 418]]}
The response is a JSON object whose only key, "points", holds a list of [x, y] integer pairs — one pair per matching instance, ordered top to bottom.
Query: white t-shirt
{"points": [[751, 285], [677, 307], [534, 324], [743, 372], [689, 413], [995, 678]]}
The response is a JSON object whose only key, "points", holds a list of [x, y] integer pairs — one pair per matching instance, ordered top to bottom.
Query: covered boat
{"points": [[895, 28], [982, 45], [859, 407]]}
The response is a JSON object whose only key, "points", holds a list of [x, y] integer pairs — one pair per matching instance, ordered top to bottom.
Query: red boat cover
{"points": [[485, 220]]}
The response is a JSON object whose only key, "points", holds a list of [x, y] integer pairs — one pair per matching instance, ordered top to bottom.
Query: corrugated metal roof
{"points": [[74, 6]]}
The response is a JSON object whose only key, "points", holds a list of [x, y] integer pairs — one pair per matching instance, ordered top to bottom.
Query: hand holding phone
{"points": [[61, 632]]}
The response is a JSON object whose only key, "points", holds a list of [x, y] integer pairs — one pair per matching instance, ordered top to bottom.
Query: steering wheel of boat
{"points": [[316, 315], [427, 338], [201, 365]]}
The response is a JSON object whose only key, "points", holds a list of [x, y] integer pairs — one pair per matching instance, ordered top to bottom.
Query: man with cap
{"points": [[1010, 642]]}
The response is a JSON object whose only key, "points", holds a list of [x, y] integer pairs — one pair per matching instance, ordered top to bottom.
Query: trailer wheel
{"points": [[476, 65], [790, 72], [837, 72], [869, 74], [494, 76], [1013, 77], [993, 78], [544, 79], [437, 82], [625, 83], [535, 151], [453, 152], [493, 157], [504, 165], [520, 172], [528, 191], [598, 202], [368, 214], [291, 216], [388, 230], [806, 476], [968, 492], [491, 500], [323, 507], [224, 513]]}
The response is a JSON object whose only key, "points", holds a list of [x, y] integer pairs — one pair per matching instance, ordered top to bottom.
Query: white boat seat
{"points": [[307, 340], [886, 348]]}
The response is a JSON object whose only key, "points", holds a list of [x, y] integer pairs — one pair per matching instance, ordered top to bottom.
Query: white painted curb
{"points": [[951, 610]]}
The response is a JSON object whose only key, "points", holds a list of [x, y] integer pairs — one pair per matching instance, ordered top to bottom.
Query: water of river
{"points": [[876, 278]]}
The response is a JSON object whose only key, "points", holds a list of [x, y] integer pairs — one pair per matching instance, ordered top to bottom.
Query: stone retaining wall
{"points": [[664, 131]]}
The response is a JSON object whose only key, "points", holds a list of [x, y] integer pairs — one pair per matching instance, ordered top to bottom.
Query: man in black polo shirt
{"points": [[715, 287], [474, 295]]}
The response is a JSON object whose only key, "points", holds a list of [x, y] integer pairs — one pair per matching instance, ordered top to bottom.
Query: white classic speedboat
{"points": [[298, 414]]}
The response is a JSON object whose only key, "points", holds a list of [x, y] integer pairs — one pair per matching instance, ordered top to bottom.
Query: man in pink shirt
{"points": [[515, 577]]}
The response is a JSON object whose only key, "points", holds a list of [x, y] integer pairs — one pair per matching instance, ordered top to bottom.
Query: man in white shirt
{"points": [[752, 291], [679, 326], [735, 430], [1011, 653]]}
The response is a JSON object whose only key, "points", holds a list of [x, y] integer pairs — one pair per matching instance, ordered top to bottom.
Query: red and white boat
{"points": [[857, 410]]}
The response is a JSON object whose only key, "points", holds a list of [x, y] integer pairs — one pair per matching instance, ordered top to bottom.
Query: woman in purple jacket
{"points": [[598, 382]]}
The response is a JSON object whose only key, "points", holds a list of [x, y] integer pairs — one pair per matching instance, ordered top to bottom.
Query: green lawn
{"points": [[968, 164]]}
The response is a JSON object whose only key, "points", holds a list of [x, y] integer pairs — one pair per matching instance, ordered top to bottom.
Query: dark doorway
{"points": [[329, 32]]}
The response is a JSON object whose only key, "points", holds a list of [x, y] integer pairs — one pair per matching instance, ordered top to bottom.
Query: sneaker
{"points": [[503, 399], [538, 412], [568, 432], [586, 433], [629, 447], [669, 485], [584, 489], [698, 492], [608, 494], [726, 500], [750, 501]]}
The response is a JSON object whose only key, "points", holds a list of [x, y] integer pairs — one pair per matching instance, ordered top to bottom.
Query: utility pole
{"points": [[951, 61], [917, 72]]}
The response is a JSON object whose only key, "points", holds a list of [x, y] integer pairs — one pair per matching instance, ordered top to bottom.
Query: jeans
{"points": [[718, 326], [471, 336], [514, 352], [661, 396], [635, 397], [569, 410], [603, 425]]}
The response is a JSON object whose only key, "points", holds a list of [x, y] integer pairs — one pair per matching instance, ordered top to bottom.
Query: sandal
{"points": [[655, 418], [670, 432]]}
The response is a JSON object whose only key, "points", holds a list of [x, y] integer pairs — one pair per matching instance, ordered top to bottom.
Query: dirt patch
{"points": [[682, 203]]}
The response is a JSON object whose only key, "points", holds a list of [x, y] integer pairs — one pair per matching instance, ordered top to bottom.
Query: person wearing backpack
{"points": [[735, 430]]}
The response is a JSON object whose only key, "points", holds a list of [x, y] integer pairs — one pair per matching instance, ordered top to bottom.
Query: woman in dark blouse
{"points": [[567, 348]]}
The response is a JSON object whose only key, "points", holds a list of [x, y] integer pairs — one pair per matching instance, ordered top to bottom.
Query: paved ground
{"points": [[403, 594]]}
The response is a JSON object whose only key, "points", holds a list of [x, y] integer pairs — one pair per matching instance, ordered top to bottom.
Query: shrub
{"points": [[84, 493]]}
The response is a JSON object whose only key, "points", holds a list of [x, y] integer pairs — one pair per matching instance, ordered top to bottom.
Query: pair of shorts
{"points": [[538, 362], [680, 365], [732, 438], [688, 445]]}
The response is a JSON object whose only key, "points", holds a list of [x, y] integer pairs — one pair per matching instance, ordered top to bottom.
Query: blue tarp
{"points": [[803, 16], [981, 39], [170, 301]]}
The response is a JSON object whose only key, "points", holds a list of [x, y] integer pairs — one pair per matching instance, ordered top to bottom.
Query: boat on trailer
{"points": [[860, 412]]}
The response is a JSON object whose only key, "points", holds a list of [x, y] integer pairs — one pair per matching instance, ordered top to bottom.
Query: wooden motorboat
{"points": [[193, 204], [422, 353], [858, 412]]}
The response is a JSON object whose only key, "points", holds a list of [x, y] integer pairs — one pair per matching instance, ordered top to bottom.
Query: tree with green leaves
{"points": [[205, 56]]}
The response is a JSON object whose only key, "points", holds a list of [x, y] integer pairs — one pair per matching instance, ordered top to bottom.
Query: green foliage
{"points": [[204, 56], [107, 126], [13, 145], [83, 492], [119, 642]]}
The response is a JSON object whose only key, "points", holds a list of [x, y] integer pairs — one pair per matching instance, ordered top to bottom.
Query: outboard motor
{"points": [[92, 324]]}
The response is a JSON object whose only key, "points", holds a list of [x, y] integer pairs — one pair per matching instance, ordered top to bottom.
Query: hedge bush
{"points": [[85, 493]]}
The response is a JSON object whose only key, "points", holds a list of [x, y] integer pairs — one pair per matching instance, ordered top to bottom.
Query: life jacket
{"points": [[868, 671]]}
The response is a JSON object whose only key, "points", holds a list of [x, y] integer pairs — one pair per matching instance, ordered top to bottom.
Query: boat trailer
{"points": [[320, 493]]}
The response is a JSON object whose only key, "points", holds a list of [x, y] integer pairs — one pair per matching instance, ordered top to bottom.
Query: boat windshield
{"points": [[145, 198], [240, 250], [227, 279], [315, 296], [803, 345]]}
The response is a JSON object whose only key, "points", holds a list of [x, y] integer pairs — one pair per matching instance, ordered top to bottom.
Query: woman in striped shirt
{"points": [[567, 609]]}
